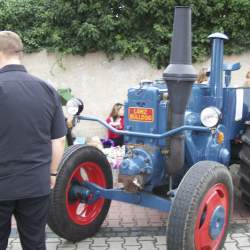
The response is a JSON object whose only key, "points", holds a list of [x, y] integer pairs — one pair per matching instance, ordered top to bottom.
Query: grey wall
{"points": [[100, 82]]}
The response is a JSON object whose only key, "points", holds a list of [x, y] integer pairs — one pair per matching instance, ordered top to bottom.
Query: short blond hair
{"points": [[10, 43]]}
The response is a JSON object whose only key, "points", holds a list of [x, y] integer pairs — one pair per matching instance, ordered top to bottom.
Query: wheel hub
{"points": [[78, 191], [83, 206], [212, 219], [217, 222]]}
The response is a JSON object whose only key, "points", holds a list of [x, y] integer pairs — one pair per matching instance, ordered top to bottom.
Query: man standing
{"points": [[32, 130]]}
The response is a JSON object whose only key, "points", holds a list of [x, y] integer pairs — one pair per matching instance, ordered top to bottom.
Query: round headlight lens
{"points": [[74, 106], [210, 116]]}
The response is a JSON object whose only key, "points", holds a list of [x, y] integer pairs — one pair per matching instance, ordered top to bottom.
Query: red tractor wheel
{"points": [[202, 208], [74, 219]]}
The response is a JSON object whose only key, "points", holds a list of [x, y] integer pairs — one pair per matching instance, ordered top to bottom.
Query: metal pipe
{"points": [[216, 73], [179, 77], [148, 135]]}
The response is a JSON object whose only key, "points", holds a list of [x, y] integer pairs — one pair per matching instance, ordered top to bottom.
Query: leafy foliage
{"points": [[127, 27]]}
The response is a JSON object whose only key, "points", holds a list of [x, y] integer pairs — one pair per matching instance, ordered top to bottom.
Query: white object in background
{"points": [[239, 104], [79, 140]]}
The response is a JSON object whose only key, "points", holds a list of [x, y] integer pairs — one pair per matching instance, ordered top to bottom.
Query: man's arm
{"points": [[57, 153]]}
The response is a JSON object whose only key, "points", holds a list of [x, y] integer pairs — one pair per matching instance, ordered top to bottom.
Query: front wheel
{"points": [[202, 208], [71, 218]]}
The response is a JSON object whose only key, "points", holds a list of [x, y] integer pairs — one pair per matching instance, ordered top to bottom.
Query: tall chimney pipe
{"points": [[179, 77]]}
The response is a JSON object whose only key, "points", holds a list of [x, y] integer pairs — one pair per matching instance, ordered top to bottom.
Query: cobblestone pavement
{"points": [[130, 227], [238, 238]]}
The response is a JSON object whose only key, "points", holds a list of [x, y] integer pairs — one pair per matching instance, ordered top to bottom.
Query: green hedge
{"points": [[129, 27]]}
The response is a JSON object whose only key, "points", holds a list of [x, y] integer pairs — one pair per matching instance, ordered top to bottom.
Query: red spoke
{"points": [[78, 175], [75, 205], [80, 210], [205, 240]]}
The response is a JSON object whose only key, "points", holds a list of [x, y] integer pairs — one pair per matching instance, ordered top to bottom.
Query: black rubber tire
{"points": [[244, 171], [190, 193], [51, 217], [59, 220]]}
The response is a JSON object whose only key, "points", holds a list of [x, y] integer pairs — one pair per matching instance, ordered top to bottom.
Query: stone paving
{"points": [[131, 227], [237, 239]]}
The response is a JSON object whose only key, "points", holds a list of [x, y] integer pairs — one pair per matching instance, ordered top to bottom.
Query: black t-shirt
{"points": [[30, 117]]}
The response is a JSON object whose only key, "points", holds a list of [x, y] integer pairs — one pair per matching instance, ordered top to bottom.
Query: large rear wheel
{"points": [[245, 166], [202, 208], [70, 217]]}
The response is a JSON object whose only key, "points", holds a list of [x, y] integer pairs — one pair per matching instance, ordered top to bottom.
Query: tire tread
{"points": [[244, 171], [182, 213]]}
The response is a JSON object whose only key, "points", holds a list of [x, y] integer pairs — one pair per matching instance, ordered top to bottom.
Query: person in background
{"points": [[202, 76], [247, 81], [116, 120], [69, 136], [32, 141]]}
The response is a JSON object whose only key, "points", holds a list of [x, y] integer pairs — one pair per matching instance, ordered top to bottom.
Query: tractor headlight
{"points": [[74, 106], [210, 116]]}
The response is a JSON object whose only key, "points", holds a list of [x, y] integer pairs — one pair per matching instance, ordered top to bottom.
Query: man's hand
{"points": [[52, 182]]}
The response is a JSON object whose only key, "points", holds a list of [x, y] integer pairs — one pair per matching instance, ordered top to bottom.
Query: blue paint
{"points": [[228, 68], [215, 82], [150, 97], [147, 135], [202, 146], [140, 161], [149, 162], [78, 192], [140, 198], [217, 222]]}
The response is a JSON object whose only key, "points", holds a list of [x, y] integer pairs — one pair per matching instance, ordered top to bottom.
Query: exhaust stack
{"points": [[179, 77]]}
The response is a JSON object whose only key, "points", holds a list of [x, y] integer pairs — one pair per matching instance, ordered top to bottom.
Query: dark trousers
{"points": [[31, 218]]}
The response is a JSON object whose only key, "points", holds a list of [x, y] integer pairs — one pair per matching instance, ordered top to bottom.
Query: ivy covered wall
{"points": [[128, 27]]}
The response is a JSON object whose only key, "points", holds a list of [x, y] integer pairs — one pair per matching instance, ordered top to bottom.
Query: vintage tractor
{"points": [[180, 139]]}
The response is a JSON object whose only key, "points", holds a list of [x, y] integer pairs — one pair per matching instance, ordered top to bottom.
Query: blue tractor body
{"points": [[153, 97], [147, 109]]}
